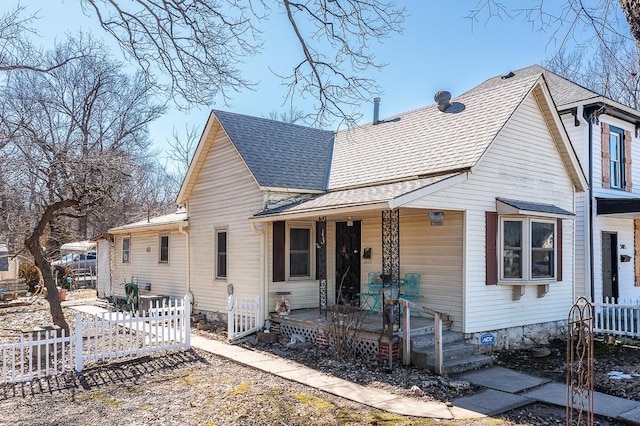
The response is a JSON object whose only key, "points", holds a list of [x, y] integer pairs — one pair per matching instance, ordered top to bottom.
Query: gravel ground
{"points": [[195, 387]]}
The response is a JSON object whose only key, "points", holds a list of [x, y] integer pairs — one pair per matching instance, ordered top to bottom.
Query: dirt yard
{"points": [[197, 388]]}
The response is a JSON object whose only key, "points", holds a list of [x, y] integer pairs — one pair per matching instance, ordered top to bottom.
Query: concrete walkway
{"points": [[504, 390]]}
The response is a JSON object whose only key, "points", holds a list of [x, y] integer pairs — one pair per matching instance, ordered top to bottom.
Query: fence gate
{"points": [[580, 363]]}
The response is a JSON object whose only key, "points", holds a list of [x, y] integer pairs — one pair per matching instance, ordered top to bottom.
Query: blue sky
{"points": [[439, 49]]}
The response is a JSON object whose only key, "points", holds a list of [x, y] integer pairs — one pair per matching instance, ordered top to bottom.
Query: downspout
{"points": [[188, 261], [263, 266]]}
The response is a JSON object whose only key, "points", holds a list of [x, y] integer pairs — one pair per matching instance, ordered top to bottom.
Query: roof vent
{"points": [[506, 76], [443, 99], [376, 110]]}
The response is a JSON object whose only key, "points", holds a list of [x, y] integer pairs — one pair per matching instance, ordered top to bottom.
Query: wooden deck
{"points": [[372, 322]]}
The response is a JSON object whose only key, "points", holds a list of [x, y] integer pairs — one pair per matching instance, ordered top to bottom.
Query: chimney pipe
{"points": [[376, 110]]}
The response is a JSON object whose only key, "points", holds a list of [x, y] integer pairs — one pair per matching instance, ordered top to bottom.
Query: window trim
{"points": [[618, 159], [299, 225], [160, 237], [527, 251], [126, 260], [216, 271]]}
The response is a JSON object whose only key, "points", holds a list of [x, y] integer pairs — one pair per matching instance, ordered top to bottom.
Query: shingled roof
{"points": [[427, 141], [279, 154]]}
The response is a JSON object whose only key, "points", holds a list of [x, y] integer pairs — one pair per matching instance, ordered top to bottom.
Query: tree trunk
{"points": [[52, 291]]}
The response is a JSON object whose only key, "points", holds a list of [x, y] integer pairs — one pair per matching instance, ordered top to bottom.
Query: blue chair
{"points": [[411, 287], [371, 298]]}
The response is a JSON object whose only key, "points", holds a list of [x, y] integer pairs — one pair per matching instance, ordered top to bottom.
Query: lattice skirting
{"points": [[365, 345]]}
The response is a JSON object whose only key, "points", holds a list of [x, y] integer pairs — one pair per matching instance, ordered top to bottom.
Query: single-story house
{"points": [[476, 195]]}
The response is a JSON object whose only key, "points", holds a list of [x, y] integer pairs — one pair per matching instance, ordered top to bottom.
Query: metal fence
{"points": [[45, 352]]}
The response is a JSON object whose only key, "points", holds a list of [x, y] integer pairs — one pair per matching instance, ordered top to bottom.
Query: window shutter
{"points": [[606, 167], [628, 177], [279, 232], [491, 248], [559, 249], [636, 251]]}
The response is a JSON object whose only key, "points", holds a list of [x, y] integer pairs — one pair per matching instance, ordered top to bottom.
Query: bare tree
{"points": [[566, 20], [194, 48], [610, 69], [292, 116], [73, 135], [180, 153]]}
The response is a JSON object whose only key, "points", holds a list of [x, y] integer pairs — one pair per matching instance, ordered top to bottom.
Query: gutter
{"points": [[263, 267]]}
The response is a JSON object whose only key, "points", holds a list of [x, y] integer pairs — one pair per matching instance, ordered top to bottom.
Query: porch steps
{"points": [[458, 355]]}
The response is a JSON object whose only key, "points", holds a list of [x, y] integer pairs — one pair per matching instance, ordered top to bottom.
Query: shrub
{"points": [[29, 273]]}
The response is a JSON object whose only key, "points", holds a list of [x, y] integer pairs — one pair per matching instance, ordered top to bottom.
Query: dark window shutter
{"points": [[606, 167], [628, 177], [279, 232], [491, 248], [559, 250]]}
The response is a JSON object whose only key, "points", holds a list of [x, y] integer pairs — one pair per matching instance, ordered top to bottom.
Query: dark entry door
{"points": [[348, 262], [610, 264]]}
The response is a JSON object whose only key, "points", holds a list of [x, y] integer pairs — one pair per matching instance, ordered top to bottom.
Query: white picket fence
{"points": [[244, 316], [618, 317], [165, 327]]}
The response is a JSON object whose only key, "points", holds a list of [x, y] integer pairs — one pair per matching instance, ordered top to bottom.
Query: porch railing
{"points": [[244, 316], [619, 317], [439, 321]]}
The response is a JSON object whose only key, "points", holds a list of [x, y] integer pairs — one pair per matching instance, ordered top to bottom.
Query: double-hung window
{"points": [[616, 157], [528, 247], [126, 249], [164, 249], [299, 252], [221, 253]]}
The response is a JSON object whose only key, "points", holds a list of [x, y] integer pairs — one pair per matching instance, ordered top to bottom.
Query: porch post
{"points": [[391, 244], [321, 247]]}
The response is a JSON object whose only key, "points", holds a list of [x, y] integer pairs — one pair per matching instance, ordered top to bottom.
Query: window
{"points": [[616, 157], [126, 247], [528, 247], [164, 249], [299, 252], [221, 253]]}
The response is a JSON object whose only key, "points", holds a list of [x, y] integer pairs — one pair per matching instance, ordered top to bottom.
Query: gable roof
{"points": [[568, 95], [427, 142], [278, 154]]}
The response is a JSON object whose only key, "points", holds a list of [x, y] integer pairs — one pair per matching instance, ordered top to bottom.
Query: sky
{"points": [[439, 49]]}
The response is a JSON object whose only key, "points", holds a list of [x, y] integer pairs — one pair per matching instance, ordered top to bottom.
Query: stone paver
{"points": [[503, 379], [491, 402]]}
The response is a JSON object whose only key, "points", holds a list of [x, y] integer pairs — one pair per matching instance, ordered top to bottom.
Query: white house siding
{"points": [[579, 136], [521, 164], [225, 195], [623, 227], [372, 237], [167, 279]]}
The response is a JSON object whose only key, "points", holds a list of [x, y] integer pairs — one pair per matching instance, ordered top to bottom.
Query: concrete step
{"points": [[424, 340], [458, 357]]}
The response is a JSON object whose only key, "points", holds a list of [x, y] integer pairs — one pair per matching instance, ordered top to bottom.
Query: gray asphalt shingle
{"points": [[279, 154]]}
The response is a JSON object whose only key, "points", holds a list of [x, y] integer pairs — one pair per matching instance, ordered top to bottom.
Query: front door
{"points": [[348, 262], [610, 265]]}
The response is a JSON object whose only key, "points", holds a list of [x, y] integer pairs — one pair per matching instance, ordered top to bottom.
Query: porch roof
{"points": [[370, 197], [619, 207]]}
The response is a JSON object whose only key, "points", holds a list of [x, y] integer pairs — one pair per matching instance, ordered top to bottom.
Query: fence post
{"points": [[186, 303], [231, 321], [79, 343]]}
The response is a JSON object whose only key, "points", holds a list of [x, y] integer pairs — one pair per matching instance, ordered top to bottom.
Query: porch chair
{"points": [[411, 287], [371, 298]]}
